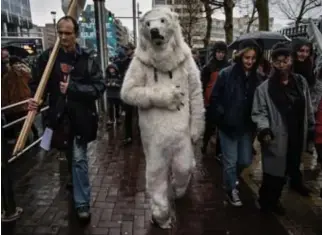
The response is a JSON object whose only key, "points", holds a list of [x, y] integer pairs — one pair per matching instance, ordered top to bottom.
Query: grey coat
{"points": [[266, 116]]}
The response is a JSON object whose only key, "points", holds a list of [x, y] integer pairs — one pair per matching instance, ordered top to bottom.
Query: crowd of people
{"points": [[248, 97], [279, 103]]}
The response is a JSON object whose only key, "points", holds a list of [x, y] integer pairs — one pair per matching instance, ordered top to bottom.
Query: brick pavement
{"points": [[119, 202], [304, 215]]}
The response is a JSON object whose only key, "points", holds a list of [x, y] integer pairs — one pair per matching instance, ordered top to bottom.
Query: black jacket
{"points": [[113, 82], [86, 85], [232, 98]]}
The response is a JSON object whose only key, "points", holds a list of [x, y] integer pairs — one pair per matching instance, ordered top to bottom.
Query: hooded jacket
{"points": [[214, 65], [306, 67], [113, 82], [232, 96]]}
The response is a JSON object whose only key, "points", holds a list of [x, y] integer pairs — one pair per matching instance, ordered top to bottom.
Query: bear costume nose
{"points": [[154, 32]]}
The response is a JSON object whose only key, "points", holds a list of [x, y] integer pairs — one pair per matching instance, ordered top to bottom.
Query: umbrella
{"points": [[265, 39], [17, 51]]}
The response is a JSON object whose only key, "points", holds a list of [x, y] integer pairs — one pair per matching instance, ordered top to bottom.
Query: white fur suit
{"points": [[163, 81]]}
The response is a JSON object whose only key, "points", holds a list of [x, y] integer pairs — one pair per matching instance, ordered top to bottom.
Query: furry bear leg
{"points": [[182, 164], [157, 184]]}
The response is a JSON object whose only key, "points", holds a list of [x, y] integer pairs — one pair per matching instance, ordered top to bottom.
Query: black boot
{"points": [[301, 189]]}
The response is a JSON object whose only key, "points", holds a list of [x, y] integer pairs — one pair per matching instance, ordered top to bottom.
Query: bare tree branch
{"points": [[295, 10], [190, 18]]}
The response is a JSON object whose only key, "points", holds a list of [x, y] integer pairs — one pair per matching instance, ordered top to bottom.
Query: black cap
{"points": [[281, 49]]}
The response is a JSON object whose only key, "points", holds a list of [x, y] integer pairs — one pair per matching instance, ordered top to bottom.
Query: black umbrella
{"points": [[265, 39], [17, 51]]}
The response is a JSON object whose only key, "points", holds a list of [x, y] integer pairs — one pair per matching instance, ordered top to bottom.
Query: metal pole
{"points": [[134, 21], [100, 23], [55, 28]]}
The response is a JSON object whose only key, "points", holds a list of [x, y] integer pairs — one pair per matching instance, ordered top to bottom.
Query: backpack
{"points": [[210, 86]]}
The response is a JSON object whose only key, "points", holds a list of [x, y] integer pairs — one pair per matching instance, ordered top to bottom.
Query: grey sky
{"points": [[40, 9]]}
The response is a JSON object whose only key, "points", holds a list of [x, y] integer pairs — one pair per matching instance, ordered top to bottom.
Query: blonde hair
{"points": [[240, 53]]}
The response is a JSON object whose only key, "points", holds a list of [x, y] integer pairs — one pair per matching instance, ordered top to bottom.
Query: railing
{"points": [[22, 34], [10, 211]]}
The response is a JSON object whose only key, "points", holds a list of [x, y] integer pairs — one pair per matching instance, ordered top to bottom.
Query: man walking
{"points": [[75, 83]]}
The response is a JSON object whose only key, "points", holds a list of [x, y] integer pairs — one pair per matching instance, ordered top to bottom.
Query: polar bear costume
{"points": [[163, 81]]}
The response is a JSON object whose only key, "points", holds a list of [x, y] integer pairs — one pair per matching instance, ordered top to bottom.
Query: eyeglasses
{"points": [[281, 62]]}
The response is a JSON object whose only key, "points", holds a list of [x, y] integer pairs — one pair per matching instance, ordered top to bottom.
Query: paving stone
{"points": [[120, 204]]}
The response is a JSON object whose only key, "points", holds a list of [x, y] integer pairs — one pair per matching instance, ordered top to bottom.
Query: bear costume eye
{"points": [[162, 20], [148, 24]]}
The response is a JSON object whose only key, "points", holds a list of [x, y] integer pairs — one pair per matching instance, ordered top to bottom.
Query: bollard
{"points": [[10, 212]]}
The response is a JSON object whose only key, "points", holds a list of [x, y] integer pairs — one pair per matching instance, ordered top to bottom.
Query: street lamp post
{"points": [[53, 14]]}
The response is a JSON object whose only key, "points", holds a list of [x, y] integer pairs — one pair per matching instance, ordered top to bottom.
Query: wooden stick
{"points": [[72, 11]]}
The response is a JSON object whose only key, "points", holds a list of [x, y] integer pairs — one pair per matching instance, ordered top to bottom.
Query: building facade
{"points": [[156, 3], [15, 18], [240, 25], [197, 29], [49, 34], [116, 36]]}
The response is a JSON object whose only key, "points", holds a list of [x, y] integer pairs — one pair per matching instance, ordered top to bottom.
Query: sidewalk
{"points": [[119, 202], [304, 215]]}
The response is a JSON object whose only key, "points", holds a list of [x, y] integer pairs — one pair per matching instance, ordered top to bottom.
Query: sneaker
{"points": [[127, 141], [234, 199], [83, 213]]}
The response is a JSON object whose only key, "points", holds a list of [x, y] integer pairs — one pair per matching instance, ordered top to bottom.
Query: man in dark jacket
{"points": [[209, 75], [75, 83]]}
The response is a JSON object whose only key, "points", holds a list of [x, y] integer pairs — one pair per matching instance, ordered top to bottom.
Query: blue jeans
{"points": [[237, 152], [82, 190]]}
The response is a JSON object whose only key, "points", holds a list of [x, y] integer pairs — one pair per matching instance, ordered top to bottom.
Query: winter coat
{"points": [[113, 82], [86, 84], [14, 87], [229, 107], [267, 118]]}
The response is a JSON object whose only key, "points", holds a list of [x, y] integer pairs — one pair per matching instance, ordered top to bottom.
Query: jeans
{"points": [[237, 152], [77, 155]]}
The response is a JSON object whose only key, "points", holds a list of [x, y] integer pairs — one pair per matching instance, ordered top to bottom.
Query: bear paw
{"points": [[168, 97]]}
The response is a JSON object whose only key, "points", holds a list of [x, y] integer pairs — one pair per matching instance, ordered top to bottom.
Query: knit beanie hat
{"points": [[281, 49]]}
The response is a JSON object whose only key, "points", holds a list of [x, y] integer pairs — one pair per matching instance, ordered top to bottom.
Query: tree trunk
{"points": [[228, 8], [208, 11], [263, 15], [300, 15], [251, 20]]}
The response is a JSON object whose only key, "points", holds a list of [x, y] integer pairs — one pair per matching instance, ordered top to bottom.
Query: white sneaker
{"points": [[234, 199]]}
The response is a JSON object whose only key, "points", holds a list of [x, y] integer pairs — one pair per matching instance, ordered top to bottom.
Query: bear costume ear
{"points": [[175, 16]]}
